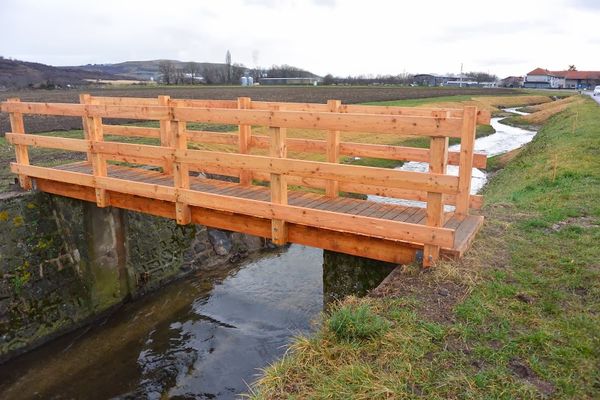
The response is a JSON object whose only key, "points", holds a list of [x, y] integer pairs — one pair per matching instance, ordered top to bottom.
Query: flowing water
{"points": [[505, 139], [204, 337], [198, 338]]}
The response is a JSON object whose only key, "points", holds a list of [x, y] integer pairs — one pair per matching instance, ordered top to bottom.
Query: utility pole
{"points": [[461, 75]]}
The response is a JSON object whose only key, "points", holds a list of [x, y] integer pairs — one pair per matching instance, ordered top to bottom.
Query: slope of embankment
{"points": [[518, 317]]}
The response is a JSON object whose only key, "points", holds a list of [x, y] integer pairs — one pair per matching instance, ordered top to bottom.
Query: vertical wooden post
{"points": [[86, 99], [17, 125], [93, 132], [165, 133], [245, 134], [333, 150], [438, 161], [465, 166], [181, 171], [279, 195]]}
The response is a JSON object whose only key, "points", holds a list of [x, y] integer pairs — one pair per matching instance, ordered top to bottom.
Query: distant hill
{"points": [[142, 70], [147, 70], [15, 74], [22, 74]]}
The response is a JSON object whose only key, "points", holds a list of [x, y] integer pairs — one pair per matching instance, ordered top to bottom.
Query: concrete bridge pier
{"points": [[106, 272]]}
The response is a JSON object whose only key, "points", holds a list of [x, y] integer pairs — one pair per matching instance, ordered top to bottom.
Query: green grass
{"points": [[418, 102], [523, 318], [351, 322]]}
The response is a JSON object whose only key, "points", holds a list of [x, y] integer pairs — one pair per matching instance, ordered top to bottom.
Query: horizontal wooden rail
{"points": [[90, 110], [483, 116], [391, 124], [401, 125], [131, 131], [213, 137], [50, 142], [389, 152], [157, 156], [312, 169], [315, 169], [476, 201], [325, 219], [395, 230]]}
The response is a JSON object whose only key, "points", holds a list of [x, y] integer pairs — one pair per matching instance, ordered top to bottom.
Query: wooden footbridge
{"points": [[172, 180]]}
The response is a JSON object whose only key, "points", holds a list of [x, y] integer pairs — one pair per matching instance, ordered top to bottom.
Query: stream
{"points": [[505, 139], [207, 336], [203, 337]]}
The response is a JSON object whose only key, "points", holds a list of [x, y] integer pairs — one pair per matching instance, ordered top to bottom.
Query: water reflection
{"points": [[203, 337]]}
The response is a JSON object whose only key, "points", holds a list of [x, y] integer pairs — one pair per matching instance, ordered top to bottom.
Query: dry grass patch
{"points": [[493, 103], [550, 109]]}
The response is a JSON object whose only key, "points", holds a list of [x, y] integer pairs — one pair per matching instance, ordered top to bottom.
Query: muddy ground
{"points": [[294, 94]]}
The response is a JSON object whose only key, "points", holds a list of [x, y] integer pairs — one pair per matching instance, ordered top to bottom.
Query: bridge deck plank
{"points": [[465, 228]]}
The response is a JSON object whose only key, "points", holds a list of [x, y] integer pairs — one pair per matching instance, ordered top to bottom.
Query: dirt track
{"points": [[295, 94]]}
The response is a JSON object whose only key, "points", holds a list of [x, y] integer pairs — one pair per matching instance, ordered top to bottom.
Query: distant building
{"points": [[541, 78], [430, 79], [581, 79], [441, 80], [290, 81], [511, 82]]}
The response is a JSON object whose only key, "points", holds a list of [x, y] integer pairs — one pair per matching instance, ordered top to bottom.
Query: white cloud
{"points": [[325, 36]]}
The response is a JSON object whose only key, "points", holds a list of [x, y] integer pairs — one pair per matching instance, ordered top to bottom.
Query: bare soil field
{"points": [[321, 94]]}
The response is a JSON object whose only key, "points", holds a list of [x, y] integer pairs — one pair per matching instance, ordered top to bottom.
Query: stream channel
{"points": [[207, 336]]}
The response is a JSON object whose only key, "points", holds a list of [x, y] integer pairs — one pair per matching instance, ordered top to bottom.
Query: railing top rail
{"points": [[483, 116], [377, 123]]}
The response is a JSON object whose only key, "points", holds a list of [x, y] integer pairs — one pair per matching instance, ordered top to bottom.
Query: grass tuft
{"points": [[356, 322]]}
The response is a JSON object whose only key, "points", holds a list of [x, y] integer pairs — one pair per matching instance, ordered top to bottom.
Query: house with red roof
{"points": [[541, 78], [581, 79]]}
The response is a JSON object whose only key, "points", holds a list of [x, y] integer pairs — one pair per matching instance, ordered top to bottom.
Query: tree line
{"points": [[172, 73], [400, 79]]}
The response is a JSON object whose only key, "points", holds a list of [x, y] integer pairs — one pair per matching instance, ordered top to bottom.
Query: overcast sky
{"points": [[324, 36]]}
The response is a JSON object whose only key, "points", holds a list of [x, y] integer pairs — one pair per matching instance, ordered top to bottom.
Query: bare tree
{"points": [[228, 64], [572, 67], [193, 69], [167, 71], [214, 73], [179, 75], [481, 76]]}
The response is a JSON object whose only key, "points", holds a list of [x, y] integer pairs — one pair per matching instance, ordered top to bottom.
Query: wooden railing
{"points": [[172, 154]]}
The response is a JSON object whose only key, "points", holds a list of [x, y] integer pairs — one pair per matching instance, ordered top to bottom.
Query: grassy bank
{"points": [[518, 317]]}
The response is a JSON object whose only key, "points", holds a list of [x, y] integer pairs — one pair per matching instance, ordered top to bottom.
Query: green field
{"points": [[517, 318]]}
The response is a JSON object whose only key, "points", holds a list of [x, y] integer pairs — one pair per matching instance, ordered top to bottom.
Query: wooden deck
{"points": [[170, 179], [465, 228]]}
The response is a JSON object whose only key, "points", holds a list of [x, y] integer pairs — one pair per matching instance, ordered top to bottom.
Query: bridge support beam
{"points": [[107, 273]]}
